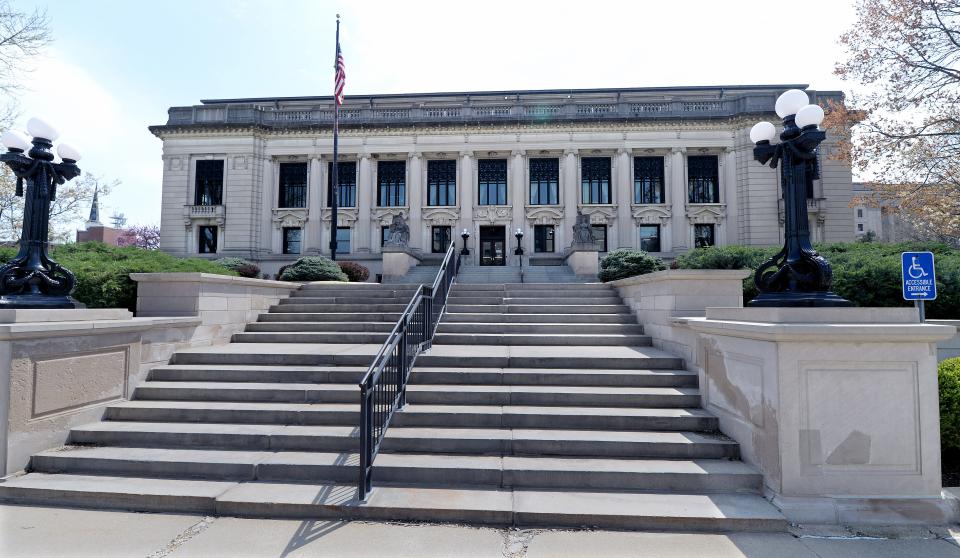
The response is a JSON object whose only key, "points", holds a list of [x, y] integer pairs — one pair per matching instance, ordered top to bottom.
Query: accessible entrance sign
{"points": [[918, 277]]}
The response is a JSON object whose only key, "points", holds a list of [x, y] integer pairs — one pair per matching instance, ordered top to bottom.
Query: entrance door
{"points": [[493, 246]]}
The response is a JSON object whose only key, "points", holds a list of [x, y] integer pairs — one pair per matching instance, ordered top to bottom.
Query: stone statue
{"points": [[399, 233], [582, 233]]}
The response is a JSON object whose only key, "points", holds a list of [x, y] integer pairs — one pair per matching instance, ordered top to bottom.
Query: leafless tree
{"points": [[22, 37]]}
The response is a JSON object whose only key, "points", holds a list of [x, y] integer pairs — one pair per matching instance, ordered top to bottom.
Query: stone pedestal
{"points": [[584, 260], [398, 261], [837, 407]]}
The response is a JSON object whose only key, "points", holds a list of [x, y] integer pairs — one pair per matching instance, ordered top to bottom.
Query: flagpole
{"points": [[334, 182]]}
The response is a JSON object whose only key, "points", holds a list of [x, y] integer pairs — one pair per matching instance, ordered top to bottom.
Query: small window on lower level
{"points": [[860, 213], [860, 227], [704, 235], [384, 236], [600, 236], [543, 238], [650, 238], [441, 239], [208, 240], [291, 240], [343, 240]]}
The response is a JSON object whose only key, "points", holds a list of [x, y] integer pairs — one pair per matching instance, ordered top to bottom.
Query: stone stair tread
{"points": [[498, 388], [406, 460]]}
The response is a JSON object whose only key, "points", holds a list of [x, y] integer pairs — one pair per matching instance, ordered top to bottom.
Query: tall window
{"points": [[703, 179], [595, 180], [648, 180], [544, 181], [209, 183], [391, 183], [441, 183], [492, 183], [346, 184], [293, 185], [384, 236], [600, 236], [703, 236], [543, 238], [650, 238], [441, 239], [208, 240], [291, 240], [343, 240]]}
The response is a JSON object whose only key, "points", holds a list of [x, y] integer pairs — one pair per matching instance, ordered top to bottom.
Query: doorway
{"points": [[493, 246]]}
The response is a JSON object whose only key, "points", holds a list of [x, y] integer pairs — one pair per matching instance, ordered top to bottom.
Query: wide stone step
{"points": [[534, 286], [466, 290], [375, 291], [341, 300], [579, 301], [294, 306], [537, 308], [278, 316], [496, 317], [332, 327], [540, 328], [311, 337], [561, 339], [485, 356], [427, 375], [656, 397], [483, 416], [470, 441], [685, 476], [610, 510]]}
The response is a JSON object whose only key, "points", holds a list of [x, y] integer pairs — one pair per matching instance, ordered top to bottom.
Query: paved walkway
{"points": [[49, 532]]}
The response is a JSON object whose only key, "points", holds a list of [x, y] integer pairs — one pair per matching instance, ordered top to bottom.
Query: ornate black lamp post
{"points": [[465, 235], [519, 251], [797, 275], [33, 279]]}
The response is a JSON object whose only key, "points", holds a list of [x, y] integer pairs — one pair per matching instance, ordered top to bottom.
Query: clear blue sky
{"points": [[116, 66]]}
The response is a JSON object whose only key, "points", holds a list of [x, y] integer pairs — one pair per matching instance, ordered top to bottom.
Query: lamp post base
{"points": [[800, 300], [39, 302]]}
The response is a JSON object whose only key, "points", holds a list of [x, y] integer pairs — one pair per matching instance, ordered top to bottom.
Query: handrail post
{"points": [[366, 419]]}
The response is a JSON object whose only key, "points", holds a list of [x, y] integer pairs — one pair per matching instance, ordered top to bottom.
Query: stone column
{"points": [[729, 178], [269, 189], [678, 190], [570, 192], [518, 193], [465, 194], [415, 198], [314, 225], [626, 237], [365, 239]]}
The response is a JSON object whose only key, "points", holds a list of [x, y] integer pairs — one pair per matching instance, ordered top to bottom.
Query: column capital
{"points": [[678, 149], [728, 149], [570, 151], [623, 151], [518, 152], [466, 153], [414, 154], [366, 155]]}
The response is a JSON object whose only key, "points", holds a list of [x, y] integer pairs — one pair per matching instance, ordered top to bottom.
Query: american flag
{"points": [[340, 79]]}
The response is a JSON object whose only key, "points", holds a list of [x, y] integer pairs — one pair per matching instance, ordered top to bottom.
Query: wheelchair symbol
{"points": [[916, 271]]}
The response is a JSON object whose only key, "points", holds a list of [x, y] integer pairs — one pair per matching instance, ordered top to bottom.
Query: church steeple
{"points": [[94, 219]]}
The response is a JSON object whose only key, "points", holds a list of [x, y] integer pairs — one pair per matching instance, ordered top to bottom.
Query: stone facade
{"points": [[684, 129]]}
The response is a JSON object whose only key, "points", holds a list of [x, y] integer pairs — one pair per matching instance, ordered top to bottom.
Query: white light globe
{"points": [[790, 102], [810, 115], [39, 128], [762, 131], [15, 140], [67, 151], [465, 233]]}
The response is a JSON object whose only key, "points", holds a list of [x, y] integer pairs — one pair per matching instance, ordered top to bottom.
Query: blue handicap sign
{"points": [[918, 276]]}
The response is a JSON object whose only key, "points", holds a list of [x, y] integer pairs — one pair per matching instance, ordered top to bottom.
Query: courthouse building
{"points": [[658, 169]]}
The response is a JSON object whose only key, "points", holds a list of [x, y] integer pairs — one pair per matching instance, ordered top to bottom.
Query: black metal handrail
{"points": [[383, 388]]}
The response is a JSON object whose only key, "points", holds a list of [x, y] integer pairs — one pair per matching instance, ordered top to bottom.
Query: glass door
{"points": [[493, 246]]}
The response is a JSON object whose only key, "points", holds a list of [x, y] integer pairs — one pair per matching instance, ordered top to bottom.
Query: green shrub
{"points": [[627, 263], [243, 267], [313, 268], [103, 272], [355, 272], [865, 273], [948, 374]]}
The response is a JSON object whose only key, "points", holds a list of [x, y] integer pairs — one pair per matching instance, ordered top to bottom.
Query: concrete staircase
{"points": [[421, 274], [500, 275], [539, 404]]}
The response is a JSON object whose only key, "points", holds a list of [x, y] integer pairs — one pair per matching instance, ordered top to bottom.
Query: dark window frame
{"points": [[596, 174], [492, 179], [703, 179], [649, 180], [544, 181], [208, 182], [441, 182], [391, 183], [292, 185], [347, 189], [384, 235], [605, 237], [544, 238], [348, 240], [702, 241], [440, 242], [288, 243], [207, 247], [649, 247]]}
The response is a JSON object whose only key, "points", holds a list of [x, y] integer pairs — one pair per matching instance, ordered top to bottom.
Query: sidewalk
{"points": [[50, 532]]}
